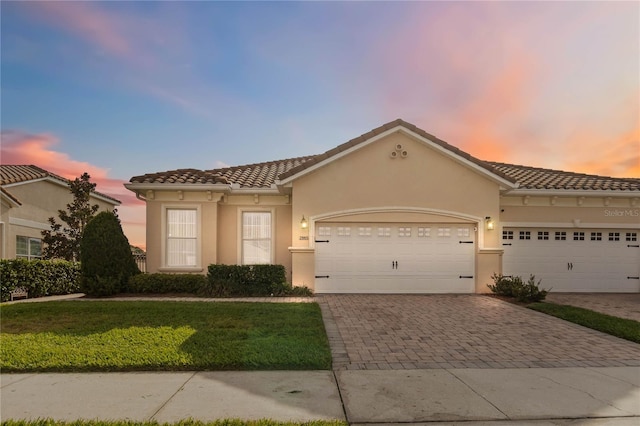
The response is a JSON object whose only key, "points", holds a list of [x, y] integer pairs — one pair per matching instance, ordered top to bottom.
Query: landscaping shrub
{"points": [[105, 256], [39, 277], [248, 280], [167, 283], [514, 287]]}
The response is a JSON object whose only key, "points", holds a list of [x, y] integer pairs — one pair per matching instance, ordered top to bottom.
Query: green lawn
{"points": [[619, 327], [150, 335], [226, 422]]}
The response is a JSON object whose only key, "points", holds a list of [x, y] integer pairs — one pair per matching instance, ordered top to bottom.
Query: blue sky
{"points": [[120, 89]]}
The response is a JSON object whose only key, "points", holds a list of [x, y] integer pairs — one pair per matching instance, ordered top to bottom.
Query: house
{"points": [[29, 197], [397, 210]]}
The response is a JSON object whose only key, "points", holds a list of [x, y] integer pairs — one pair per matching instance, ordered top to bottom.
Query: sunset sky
{"points": [[119, 89]]}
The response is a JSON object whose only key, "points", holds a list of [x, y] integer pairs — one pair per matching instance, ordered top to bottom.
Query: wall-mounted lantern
{"points": [[303, 223], [489, 223]]}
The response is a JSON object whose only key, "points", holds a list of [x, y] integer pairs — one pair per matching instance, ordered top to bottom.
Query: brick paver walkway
{"points": [[619, 305], [461, 331]]}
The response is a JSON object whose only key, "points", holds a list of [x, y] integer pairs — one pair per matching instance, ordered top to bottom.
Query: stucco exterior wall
{"points": [[425, 187], [40, 201], [219, 230]]}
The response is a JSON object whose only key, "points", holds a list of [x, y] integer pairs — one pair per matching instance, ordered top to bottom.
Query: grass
{"points": [[620, 327], [156, 336], [226, 422]]}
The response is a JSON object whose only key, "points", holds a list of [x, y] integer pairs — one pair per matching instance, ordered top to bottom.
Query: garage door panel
{"points": [[395, 258], [596, 260]]}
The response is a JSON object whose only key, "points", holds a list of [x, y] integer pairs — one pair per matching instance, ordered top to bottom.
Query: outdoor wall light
{"points": [[489, 222], [303, 223]]}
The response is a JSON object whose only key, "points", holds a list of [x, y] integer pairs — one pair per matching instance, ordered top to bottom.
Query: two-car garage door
{"points": [[394, 258], [570, 260]]}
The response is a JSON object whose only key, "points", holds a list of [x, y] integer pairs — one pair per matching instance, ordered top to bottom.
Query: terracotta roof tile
{"points": [[17, 173], [264, 175], [539, 178]]}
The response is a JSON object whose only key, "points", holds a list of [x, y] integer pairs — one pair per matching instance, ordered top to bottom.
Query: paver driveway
{"points": [[460, 331]]}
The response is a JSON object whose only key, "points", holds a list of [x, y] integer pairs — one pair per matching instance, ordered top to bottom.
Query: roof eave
{"points": [[58, 182], [217, 187], [613, 193]]}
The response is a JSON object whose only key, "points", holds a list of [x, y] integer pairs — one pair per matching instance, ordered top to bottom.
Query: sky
{"points": [[123, 88]]}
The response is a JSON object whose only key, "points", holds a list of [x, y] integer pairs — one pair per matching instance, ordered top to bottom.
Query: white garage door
{"points": [[394, 258], [569, 260]]}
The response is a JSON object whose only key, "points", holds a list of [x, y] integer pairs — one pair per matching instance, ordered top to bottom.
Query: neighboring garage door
{"points": [[394, 258], [569, 260]]}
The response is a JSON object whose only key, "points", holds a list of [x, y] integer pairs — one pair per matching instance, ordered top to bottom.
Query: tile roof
{"points": [[17, 173], [259, 175], [264, 175], [539, 178], [10, 196]]}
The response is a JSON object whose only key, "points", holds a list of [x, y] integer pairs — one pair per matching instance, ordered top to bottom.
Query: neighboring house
{"points": [[30, 196], [397, 210]]}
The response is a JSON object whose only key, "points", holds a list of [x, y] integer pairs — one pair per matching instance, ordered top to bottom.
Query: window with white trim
{"points": [[324, 231], [344, 231], [463, 232], [507, 235], [561, 236], [578, 236], [596, 236], [614, 236], [631, 236], [182, 237], [256, 238], [28, 248]]}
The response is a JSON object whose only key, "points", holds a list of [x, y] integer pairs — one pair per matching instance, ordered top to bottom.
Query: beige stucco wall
{"points": [[425, 187], [40, 201], [219, 231]]}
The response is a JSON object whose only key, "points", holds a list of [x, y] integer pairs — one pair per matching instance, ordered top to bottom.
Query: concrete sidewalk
{"points": [[536, 396]]}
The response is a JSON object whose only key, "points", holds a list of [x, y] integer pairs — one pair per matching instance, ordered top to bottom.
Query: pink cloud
{"points": [[39, 150]]}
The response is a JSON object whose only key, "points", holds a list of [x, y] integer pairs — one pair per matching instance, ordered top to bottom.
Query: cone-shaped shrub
{"points": [[106, 261]]}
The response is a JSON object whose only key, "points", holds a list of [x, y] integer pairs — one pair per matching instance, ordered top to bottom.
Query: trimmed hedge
{"points": [[39, 277], [247, 280], [166, 283]]}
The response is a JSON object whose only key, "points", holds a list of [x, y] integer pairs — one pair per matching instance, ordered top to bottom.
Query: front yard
{"points": [[150, 335]]}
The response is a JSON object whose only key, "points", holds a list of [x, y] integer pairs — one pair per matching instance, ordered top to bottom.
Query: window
{"points": [[324, 231], [344, 231], [364, 231], [384, 232], [404, 232], [424, 232], [444, 232], [463, 232], [507, 235], [525, 235], [543, 235], [182, 236], [561, 236], [578, 236], [596, 236], [614, 236], [632, 236], [256, 238], [28, 248]]}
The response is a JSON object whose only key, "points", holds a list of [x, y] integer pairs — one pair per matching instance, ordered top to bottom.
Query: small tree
{"points": [[63, 240], [106, 261]]}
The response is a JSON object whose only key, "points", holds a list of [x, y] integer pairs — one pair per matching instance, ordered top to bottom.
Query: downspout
{"points": [[4, 238]]}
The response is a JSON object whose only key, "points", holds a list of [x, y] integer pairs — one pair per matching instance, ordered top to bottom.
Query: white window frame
{"points": [[240, 237], [198, 255], [28, 256]]}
